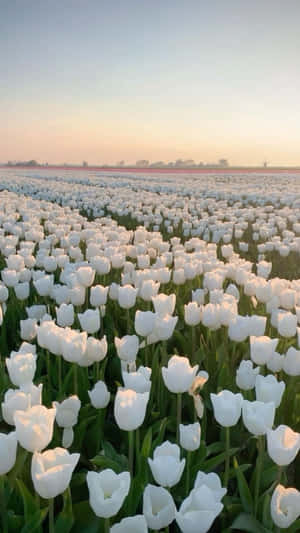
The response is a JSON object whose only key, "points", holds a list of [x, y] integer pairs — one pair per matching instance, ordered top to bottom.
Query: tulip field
{"points": [[150, 352]]}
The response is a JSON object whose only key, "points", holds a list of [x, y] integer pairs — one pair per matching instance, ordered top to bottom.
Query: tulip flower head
{"points": [[179, 375], [227, 407], [130, 408], [34, 427], [283, 445], [166, 466], [51, 471], [107, 491], [285, 506], [158, 507]]}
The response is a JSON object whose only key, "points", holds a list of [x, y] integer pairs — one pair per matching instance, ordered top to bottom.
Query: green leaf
{"points": [[162, 429], [147, 442], [214, 448], [111, 453], [106, 462], [211, 464], [243, 468], [244, 491], [29, 502], [266, 514], [85, 519], [65, 520], [36, 521], [15, 522], [247, 522], [295, 527]]}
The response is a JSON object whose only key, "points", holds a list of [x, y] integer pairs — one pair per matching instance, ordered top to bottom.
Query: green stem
{"points": [[87, 298], [128, 322], [146, 353], [193, 358], [48, 363], [97, 371], [59, 376], [75, 380], [179, 407], [99, 428], [260, 446], [137, 449], [130, 451], [21, 460], [227, 460], [187, 466], [279, 474], [37, 499], [4, 515], [51, 515], [106, 525]]}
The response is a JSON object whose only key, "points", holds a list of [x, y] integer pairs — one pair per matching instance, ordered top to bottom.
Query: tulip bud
{"points": [[85, 276], [22, 290], [149, 290], [98, 295], [127, 296], [164, 304], [192, 314], [65, 315], [90, 320], [144, 322], [287, 324], [164, 327], [28, 329], [127, 347], [262, 349], [291, 363], [21, 367], [179, 375], [246, 375], [138, 381], [268, 389], [99, 395], [227, 407], [130, 408], [67, 411], [258, 417], [34, 427], [190, 436], [283, 445], [8, 451], [166, 466], [51, 471], [212, 481], [107, 491], [285, 506], [158, 507], [198, 511], [131, 524]]}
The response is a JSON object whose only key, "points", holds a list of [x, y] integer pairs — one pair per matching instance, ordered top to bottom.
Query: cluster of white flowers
{"points": [[69, 259]]}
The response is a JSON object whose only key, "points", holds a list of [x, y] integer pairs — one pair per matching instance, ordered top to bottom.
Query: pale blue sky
{"points": [[160, 79]]}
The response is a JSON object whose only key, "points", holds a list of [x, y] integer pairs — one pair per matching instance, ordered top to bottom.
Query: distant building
{"points": [[223, 163], [158, 164]]}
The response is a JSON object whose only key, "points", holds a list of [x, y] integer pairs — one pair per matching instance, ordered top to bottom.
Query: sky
{"points": [[110, 80]]}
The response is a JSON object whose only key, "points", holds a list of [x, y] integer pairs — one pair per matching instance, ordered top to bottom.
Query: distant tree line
{"points": [[30, 163], [141, 163], [181, 163]]}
